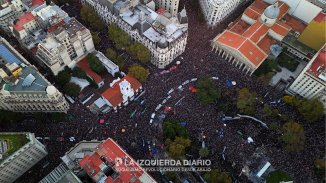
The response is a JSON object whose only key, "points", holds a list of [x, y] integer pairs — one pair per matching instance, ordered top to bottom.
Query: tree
{"points": [[89, 16], [119, 37], [96, 38], [139, 52], [111, 54], [95, 64], [138, 72], [79, 73], [63, 77], [265, 78], [71, 89], [207, 92], [289, 100], [246, 101], [312, 110], [269, 111], [8, 116], [173, 129], [293, 136], [177, 148], [203, 152], [320, 168], [172, 176], [215, 176], [277, 177]]}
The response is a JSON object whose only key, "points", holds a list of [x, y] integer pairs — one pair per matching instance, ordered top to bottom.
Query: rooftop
{"points": [[24, 19], [292, 40], [83, 64], [318, 67], [16, 75], [113, 94], [10, 143], [101, 165]]}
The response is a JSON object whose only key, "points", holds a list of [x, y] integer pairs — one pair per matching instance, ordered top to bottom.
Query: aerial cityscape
{"points": [[171, 91]]}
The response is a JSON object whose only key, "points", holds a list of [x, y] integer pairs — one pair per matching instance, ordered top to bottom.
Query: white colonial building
{"points": [[216, 10], [166, 38], [312, 80], [23, 88], [14, 164]]}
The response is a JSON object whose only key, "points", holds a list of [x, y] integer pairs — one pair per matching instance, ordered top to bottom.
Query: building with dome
{"points": [[217, 10], [164, 36], [247, 42], [23, 88]]}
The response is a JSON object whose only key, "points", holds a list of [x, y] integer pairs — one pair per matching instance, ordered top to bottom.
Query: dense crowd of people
{"points": [[135, 134]]}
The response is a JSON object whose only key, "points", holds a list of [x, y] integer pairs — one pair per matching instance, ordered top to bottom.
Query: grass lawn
{"points": [[286, 61], [14, 142]]}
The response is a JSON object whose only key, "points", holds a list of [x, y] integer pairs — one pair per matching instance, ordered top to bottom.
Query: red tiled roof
{"points": [[37, 2], [259, 6], [284, 8], [252, 13], [27, 17], [321, 17], [294, 23], [56, 26], [239, 26], [281, 29], [256, 31], [231, 39], [266, 43], [251, 51], [83, 64], [319, 64], [113, 94], [112, 152]]}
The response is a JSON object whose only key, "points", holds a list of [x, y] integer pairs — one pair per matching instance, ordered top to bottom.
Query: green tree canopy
{"points": [[90, 16], [119, 37], [96, 38], [140, 52], [113, 56], [95, 64], [138, 72], [79, 73], [63, 77], [71, 89], [207, 92], [246, 101], [312, 110], [269, 111], [7, 116], [173, 129], [293, 136], [177, 148], [203, 152], [215, 176], [277, 177]]}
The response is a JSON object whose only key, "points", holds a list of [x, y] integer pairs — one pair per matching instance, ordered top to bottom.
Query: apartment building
{"points": [[19, 152]]}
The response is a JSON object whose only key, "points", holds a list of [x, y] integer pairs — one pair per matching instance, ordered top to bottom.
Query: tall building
{"points": [[169, 6], [216, 10], [9, 11], [263, 28], [53, 37], [165, 37], [67, 42], [312, 80], [23, 88], [19, 152], [107, 165]]}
